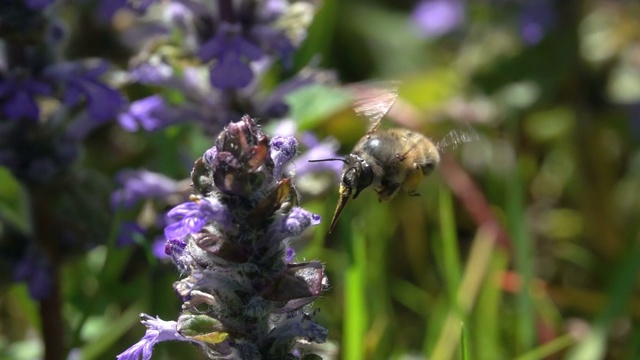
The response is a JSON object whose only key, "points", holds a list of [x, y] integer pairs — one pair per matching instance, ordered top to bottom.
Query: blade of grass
{"points": [[450, 251], [523, 252], [446, 254], [477, 266], [623, 284], [411, 296], [355, 312], [380, 339], [487, 343], [464, 348], [549, 348]]}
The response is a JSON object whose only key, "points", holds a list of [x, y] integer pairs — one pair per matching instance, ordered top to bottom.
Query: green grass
{"points": [[355, 309]]}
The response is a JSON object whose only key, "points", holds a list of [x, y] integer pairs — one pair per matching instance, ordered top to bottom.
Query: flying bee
{"points": [[388, 159]]}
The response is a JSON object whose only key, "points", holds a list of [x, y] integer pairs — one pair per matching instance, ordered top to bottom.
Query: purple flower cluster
{"points": [[434, 18], [536, 18], [230, 44], [48, 105], [243, 296]]}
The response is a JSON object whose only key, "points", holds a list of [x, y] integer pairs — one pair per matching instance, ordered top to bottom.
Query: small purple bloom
{"points": [[38, 4], [108, 8], [438, 17], [535, 20], [275, 40], [233, 53], [152, 72], [82, 81], [17, 97], [150, 113], [282, 150], [318, 150], [209, 157], [140, 184], [190, 217], [297, 221], [127, 233], [159, 248], [174, 249], [289, 255], [35, 269], [157, 331]]}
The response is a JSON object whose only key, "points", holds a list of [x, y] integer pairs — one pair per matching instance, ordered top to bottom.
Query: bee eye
{"points": [[428, 167]]}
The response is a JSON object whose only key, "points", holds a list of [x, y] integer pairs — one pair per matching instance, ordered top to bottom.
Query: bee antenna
{"points": [[329, 159]]}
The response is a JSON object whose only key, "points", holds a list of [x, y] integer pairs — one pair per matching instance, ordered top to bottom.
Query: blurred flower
{"points": [[38, 4], [438, 17], [535, 19], [230, 36], [233, 53], [81, 80], [18, 96], [152, 113], [327, 149], [141, 184], [127, 233], [230, 242], [158, 247], [35, 270]]}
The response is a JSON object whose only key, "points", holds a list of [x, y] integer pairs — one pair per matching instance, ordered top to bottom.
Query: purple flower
{"points": [[38, 4], [108, 8], [438, 17], [535, 19], [276, 41], [233, 53], [152, 72], [82, 82], [17, 97], [151, 113], [283, 149], [318, 150], [209, 157], [141, 184], [190, 217], [296, 221], [127, 233], [231, 245], [158, 247], [174, 249], [290, 253], [35, 269], [157, 331]]}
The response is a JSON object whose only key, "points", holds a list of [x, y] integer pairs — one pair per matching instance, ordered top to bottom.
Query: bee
{"points": [[388, 159]]}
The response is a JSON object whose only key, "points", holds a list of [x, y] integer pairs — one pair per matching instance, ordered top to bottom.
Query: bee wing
{"points": [[373, 100], [461, 135]]}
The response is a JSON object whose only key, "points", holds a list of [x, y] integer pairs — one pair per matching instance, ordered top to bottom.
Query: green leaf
{"points": [[312, 104]]}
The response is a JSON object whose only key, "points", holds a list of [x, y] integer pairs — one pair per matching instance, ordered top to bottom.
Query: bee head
{"points": [[356, 176]]}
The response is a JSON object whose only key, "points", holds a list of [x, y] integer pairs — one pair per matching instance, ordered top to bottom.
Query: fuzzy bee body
{"points": [[399, 158], [388, 159]]}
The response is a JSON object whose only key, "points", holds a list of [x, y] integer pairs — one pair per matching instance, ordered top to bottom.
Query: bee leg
{"points": [[412, 182], [387, 191]]}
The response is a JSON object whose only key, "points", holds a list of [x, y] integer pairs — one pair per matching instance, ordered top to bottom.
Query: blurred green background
{"points": [[523, 245]]}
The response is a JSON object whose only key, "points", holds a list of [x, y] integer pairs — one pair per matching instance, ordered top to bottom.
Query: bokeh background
{"points": [[524, 244]]}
